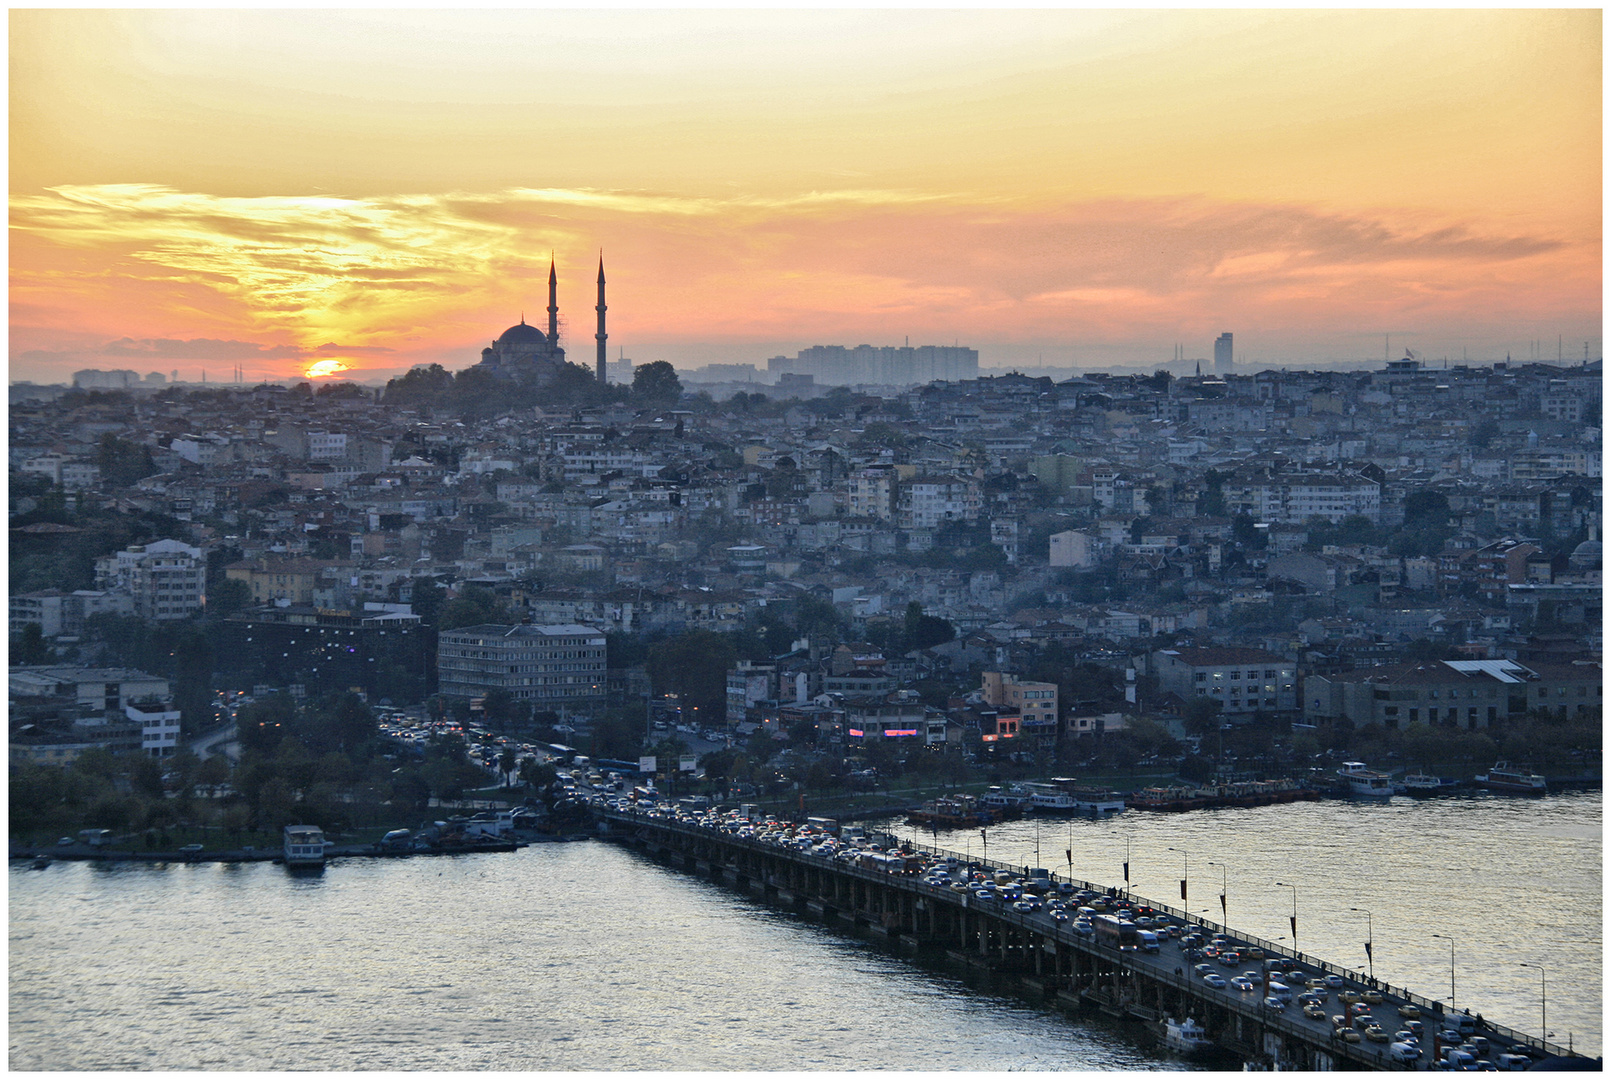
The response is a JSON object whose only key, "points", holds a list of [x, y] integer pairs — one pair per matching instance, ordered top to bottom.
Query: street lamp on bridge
{"points": [[1185, 875], [1294, 889], [1224, 893], [1370, 936], [1450, 940], [1543, 1001]]}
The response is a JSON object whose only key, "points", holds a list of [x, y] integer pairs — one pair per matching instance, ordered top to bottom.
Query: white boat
{"points": [[1507, 777], [1364, 782], [996, 799], [1046, 799], [304, 846], [1184, 1036]]}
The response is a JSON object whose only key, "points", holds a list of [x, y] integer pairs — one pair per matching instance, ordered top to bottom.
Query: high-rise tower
{"points": [[553, 304], [601, 336], [1223, 360]]}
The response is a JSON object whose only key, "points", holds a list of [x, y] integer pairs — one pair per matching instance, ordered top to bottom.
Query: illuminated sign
{"points": [[900, 731], [858, 732], [987, 738]]}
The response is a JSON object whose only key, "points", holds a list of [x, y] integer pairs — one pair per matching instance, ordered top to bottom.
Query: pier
{"points": [[1034, 954]]}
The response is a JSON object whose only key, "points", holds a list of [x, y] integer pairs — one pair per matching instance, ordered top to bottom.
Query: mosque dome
{"points": [[522, 334], [1586, 556]]}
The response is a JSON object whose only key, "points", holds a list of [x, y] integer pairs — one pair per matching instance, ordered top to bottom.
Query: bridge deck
{"points": [[1165, 970]]}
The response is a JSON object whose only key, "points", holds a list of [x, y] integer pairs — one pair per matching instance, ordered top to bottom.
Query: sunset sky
{"points": [[199, 189]]}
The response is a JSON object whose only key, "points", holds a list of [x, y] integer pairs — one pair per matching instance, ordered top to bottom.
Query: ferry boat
{"points": [[1513, 779], [1364, 782], [304, 846], [1184, 1036]]}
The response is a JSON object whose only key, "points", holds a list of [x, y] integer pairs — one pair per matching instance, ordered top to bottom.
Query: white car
{"points": [[1215, 979], [1243, 983]]}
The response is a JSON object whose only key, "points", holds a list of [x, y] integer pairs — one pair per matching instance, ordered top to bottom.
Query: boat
{"points": [[1512, 779], [1364, 782], [1422, 785], [1232, 793], [1007, 804], [953, 811], [304, 846], [41, 862], [1184, 1036]]}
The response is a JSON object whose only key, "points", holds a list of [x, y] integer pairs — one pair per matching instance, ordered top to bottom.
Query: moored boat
{"points": [[1512, 779], [1364, 782], [1424, 784], [304, 846], [1183, 1036]]}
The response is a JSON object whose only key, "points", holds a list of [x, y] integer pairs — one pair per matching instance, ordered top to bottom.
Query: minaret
{"points": [[553, 306], [601, 335]]}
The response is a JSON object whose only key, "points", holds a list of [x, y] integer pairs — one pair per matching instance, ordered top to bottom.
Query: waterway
{"points": [[587, 956]]}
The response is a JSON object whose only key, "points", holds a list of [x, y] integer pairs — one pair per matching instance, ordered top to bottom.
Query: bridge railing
{"points": [[1435, 1009]]}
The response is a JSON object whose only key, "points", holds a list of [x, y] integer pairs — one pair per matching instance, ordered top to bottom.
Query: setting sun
{"points": [[325, 367]]}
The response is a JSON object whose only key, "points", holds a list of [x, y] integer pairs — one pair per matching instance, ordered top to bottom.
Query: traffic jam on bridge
{"points": [[1342, 1007]]}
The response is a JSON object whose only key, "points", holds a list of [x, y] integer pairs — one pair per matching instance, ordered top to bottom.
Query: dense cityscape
{"points": [[996, 577]]}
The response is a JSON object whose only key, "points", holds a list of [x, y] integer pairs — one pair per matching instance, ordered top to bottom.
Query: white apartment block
{"points": [[930, 501], [166, 578]]}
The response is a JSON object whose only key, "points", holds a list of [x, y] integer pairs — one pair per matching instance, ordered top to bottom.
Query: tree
{"points": [[656, 383], [227, 597], [472, 607], [926, 631], [32, 649], [1202, 715]]}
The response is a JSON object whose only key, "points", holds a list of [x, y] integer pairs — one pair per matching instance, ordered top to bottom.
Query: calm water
{"points": [[587, 956]]}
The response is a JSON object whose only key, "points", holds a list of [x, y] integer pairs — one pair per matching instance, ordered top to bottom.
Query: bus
{"points": [[1116, 933]]}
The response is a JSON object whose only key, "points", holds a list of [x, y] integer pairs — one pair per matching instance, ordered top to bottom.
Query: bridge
{"points": [[1045, 958]]}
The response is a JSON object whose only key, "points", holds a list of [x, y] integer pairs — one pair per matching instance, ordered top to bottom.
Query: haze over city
{"points": [[369, 190]]}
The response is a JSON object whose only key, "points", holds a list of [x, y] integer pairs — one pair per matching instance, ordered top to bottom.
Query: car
{"points": [[64, 841], [189, 848], [1023, 906], [1059, 916], [1253, 954], [1230, 959], [1203, 969], [1214, 979], [1334, 981], [1243, 983], [1317, 984], [1372, 996], [1349, 997], [1311, 998], [1275, 1004], [1359, 1008], [1314, 1012], [1409, 1012], [1414, 1027], [1345, 1034], [1375, 1034], [1404, 1035], [1404, 1053], [1512, 1062], [1485, 1066]]}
